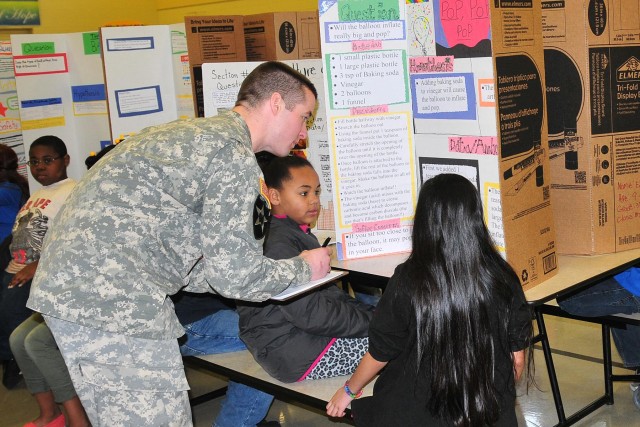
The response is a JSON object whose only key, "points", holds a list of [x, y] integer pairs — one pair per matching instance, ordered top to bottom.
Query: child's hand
{"points": [[319, 261], [24, 275], [518, 364], [338, 403]]}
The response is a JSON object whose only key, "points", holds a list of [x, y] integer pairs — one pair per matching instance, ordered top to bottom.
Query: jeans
{"points": [[366, 294], [605, 298], [243, 406]]}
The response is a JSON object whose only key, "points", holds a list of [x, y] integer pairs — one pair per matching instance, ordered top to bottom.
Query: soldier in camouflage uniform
{"points": [[168, 208]]}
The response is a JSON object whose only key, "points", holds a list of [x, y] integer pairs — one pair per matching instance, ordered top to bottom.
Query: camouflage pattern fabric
{"points": [[169, 207], [124, 381]]}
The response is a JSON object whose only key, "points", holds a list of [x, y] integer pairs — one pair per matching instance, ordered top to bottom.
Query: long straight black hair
{"points": [[457, 279]]}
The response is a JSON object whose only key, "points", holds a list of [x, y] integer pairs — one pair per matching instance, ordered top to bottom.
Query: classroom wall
{"points": [[171, 11], [71, 16]]}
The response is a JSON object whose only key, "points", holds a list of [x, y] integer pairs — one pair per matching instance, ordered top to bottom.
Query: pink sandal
{"points": [[59, 421]]}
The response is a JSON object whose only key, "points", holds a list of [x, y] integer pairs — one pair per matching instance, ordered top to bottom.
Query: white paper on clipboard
{"points": [[292, 291]]}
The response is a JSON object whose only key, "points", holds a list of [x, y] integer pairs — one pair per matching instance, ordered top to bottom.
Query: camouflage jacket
{"points": [[169, 207]]}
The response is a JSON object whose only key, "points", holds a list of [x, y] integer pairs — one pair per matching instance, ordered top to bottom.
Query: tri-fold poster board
{"points": [[147, 76], [414, 89], [61, 90]]}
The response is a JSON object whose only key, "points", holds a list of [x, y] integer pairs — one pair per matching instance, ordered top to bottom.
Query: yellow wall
{"points": [[173, 11], [72, 16]]}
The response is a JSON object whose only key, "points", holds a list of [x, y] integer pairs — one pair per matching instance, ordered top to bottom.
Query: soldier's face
{"points": [[291, 125]]}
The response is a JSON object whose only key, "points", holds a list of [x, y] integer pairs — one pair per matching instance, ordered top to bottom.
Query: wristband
{"points": [[350, 393]]}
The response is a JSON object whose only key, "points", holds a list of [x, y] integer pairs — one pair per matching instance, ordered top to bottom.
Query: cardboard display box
{"points": [[308, 35], [271, 36], [282, 36], [212, 39], [498, 53], [592, 58], [498, 137], [523, 167]]}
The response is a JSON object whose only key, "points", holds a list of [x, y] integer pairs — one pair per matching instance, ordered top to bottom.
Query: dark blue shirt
{"points": [[10, 202]]}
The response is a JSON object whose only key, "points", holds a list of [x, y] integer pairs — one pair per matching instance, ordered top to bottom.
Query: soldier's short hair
{"points": [[271, 77]]}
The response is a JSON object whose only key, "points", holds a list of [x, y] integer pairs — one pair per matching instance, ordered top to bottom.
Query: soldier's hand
{"points": [[319, 261]]}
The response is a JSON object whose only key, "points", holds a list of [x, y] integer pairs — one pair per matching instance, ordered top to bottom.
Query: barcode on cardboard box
{"points": [[549, 262]]}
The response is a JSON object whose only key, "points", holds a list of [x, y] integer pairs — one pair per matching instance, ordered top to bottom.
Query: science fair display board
{"points": [[592, 58], [181, 73], [60, 82], [146, 82], [415, 89], [61, 92], [10, 126]]}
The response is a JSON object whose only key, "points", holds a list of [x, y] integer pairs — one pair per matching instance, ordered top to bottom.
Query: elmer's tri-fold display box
{"points": [[592, 62]]}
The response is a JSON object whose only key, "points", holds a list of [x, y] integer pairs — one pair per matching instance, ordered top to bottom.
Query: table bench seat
{"points": [[240, 366]]}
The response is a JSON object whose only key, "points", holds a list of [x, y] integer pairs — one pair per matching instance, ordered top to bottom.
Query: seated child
{"points": [[48, 165], [14, 190], [619, 294], [451, 327], [323, 333], [32, 343]]}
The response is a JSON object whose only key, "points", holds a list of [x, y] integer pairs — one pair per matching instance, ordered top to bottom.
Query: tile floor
{"points": [[577, 351]]}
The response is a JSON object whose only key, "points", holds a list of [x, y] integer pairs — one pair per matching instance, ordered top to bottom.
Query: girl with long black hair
{"points": [[451, 327]]}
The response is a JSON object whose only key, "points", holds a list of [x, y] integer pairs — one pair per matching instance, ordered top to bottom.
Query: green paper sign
{"points": [[368, 10], [91, 43], [39, 48]]}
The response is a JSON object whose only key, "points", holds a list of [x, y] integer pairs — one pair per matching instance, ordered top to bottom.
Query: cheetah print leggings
{"points": [[341, 358]]}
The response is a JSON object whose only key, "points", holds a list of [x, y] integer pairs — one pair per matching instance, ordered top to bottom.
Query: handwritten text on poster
{"points": [[336, 32], [40, 64], [367, 78], [444, 96], [375, 167]]}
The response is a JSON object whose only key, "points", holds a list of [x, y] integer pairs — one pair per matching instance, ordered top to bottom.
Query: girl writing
{"points": [[451, 327], [324, 332]]}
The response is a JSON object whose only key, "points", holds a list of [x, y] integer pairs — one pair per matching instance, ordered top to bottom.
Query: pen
{"points": [[326, 242]]}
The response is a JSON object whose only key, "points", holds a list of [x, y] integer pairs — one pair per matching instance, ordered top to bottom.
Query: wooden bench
{"points": [[241, 367]]}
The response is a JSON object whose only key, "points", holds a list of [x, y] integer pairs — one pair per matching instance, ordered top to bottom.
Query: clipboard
{"points": [[293, 291]]}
